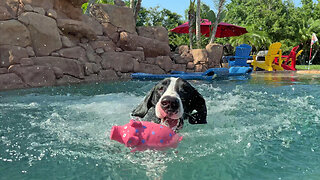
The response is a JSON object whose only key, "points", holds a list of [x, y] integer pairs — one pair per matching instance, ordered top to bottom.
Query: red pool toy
{"points": [[143, 135]]}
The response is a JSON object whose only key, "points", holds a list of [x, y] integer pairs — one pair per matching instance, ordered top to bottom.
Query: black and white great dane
{"points": [[170, 101]]}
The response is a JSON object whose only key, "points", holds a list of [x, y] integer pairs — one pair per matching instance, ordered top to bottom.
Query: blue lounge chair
{"points": [[242, 54]]}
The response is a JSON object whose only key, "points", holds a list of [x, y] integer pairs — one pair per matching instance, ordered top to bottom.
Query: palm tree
{"points": [[132, 4], [137, 9], [220, 9], [191, 14], [198, 33], [304, 35], [257, 39]]}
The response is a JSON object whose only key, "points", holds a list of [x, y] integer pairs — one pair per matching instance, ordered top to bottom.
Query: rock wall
{"points": [[50, 42]]}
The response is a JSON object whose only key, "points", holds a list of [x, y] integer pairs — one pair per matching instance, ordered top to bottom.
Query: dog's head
{"points": [[174, 99]]}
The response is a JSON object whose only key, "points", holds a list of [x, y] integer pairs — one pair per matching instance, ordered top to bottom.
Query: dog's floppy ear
{"points": [[199, 105], [142, 109]]}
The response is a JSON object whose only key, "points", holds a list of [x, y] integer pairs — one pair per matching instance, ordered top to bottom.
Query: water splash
{"points": [[253, 131]]}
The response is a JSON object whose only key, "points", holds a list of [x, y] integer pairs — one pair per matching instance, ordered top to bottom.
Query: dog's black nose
{"points": [[170, 104]]}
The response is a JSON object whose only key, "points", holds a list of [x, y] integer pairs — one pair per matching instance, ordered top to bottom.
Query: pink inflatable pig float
{"points": [[142, 135]]}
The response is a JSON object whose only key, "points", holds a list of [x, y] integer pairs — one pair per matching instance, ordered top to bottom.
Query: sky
{"points": [[179, 6]]}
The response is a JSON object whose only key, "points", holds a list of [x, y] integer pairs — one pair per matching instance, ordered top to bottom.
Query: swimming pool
{"points": [[266, 127]]}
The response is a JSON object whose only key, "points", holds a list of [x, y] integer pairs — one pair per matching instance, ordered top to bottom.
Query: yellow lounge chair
{"points": [[273, 52]]}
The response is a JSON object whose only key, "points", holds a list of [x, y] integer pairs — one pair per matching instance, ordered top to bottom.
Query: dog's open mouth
{"points": [[169, 122]]}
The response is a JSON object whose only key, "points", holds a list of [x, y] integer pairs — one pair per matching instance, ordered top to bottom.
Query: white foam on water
{"points": [[32, 105], [105, 105], [245, 127], [82, 129], [232, 134]]}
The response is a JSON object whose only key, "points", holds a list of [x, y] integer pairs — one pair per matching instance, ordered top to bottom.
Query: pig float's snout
{"points": [[115, 134]]}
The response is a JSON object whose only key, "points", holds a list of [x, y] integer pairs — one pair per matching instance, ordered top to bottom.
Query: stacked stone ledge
{"points": [[50, 42]]}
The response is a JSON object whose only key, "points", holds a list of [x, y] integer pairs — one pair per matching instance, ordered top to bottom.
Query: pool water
{"points": [[265, 127]]}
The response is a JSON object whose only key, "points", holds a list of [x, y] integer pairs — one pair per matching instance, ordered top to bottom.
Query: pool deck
{"points": [[308, 71], [288, 72]]}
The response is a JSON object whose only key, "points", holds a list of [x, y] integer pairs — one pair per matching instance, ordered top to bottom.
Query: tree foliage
{"points": [[155, 17], [267, 21], [276, 21]]}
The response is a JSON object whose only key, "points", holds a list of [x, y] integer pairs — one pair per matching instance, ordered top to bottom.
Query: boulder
{"points": [[46, 4], [14, 7], [28, 8], [69, 9], [39, 10], [52, 13], [4, 14], [120, 17], [93, 23], [13, 28], [78, 28], [111, 31], [154, 32], [44, 33], [103, 38], [84, 40], [66, 42], [105, 45], [110, 46], [151, 47], [183, 49], [30, 51], [99, 51], [74, 52], [215, 53], [55, 54], [11, 55], [91, 55], [139, 55], [187, 56], [200, 56], [181, 59], [150, 60], [118, 61], [26, 62], [165, 63], [190, 65], [68, 66], [179, 67], [91, 68], [148, 68], [200, 68], [88, 69], [3, 70], [58, 72], [108, 75], [35, 76], [124, 76], [92, 78], [66, 79], [10, 81]]}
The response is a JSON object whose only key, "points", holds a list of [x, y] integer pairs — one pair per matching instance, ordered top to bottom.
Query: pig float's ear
{"points": [[135, 123], [132, 141]]}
